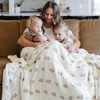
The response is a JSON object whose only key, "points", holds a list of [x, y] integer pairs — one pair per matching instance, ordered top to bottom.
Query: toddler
{"points": [[34, 30], [61, 34]]}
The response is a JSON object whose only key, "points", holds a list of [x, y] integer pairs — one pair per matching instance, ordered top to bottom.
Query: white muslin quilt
{"points": [[49, 72]]}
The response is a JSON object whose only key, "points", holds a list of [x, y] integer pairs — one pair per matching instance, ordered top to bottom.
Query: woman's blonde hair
{"points": [[56, 11], [30, 19], [61, 25]]}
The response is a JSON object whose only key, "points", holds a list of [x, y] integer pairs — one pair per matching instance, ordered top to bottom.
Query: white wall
{"points": [[27, 5], [77, 6]]}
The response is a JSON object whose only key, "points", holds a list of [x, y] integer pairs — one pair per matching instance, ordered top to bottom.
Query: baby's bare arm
{"points": [[39, 38]]}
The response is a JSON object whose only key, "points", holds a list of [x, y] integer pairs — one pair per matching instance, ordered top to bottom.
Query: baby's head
{"points": [[34, 24], [60, 31]]}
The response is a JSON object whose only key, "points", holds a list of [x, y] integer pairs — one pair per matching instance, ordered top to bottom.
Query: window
{"points": [[96, 6]]}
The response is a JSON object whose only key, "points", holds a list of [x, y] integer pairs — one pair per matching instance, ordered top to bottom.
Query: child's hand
{"points": [[49, 39], [70, 48]]}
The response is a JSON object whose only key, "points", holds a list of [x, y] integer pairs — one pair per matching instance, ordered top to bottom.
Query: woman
{"points": [[50, 16], [48, 72]]}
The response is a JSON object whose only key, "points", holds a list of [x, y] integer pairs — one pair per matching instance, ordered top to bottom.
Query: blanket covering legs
{"points": [[49, 72]]}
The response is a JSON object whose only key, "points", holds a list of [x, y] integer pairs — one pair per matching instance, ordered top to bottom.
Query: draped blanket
{"points": [[49, 72]]}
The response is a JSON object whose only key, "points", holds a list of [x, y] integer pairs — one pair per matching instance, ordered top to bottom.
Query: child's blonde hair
{"points": [[30, 19], [61, 25]]}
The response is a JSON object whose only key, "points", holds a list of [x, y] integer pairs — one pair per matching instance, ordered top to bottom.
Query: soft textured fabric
{"points": [[73, 25], [22, 27], [49, 33], [31, 34], [9, 35], [90, 35], [67, 41], [90, 43], [3, 62], [49, 72], [0, 91]]}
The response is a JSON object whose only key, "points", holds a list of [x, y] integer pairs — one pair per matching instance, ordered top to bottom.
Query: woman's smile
{"points": [[49, 15]]}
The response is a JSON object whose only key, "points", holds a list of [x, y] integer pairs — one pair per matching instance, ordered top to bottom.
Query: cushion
{"points": [[73, 25], [22, 27], [9, 35], [90, 35], [3, 62], [0, 91]]}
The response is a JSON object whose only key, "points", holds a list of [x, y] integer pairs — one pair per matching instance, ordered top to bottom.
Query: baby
{"points": [[34, 30], [61, 34]]}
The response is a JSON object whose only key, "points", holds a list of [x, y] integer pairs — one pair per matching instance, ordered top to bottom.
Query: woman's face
{"points": [[49, 15]]}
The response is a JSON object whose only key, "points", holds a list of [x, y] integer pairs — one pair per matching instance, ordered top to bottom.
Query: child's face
{"points": [[36, 26], [59, 34]]}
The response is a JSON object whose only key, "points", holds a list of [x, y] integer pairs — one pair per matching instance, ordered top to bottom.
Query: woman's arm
{"points": [[26, 43], [75, 45]]}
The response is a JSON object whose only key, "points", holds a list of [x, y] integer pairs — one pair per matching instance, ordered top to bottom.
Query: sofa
{"points": [[87, 31]]}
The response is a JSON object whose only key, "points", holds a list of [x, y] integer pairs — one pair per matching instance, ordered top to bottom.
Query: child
{"points": [[34, 30], [61, 34]]}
